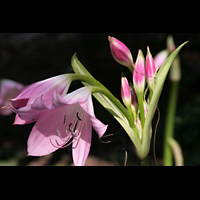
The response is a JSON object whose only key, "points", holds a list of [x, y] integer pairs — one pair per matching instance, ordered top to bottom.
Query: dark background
{"points": [[31, 57]]}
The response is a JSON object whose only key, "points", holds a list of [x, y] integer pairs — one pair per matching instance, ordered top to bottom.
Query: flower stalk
{"points": [[169, 126], [170, 145]]}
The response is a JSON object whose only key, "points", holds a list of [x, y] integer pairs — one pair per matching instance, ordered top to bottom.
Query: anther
{"points": [[78, 117], [64, 119], [71, 131], [58, 132]]}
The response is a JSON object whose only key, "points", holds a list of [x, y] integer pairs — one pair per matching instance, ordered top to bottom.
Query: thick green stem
{"points": [[141, 107], [169, 126], [144, 162]]}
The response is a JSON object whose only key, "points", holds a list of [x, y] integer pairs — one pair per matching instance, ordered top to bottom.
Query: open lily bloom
{"points": [[8, 89], [35, 90], [63, 121]]}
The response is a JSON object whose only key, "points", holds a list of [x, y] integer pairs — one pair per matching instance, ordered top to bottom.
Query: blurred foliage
{"points": [[30, 57]]}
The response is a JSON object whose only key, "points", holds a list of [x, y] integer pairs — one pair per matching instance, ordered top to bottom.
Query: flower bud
{"points": [[170, 43], [120, 52], [160, 58], [150, 69], [175, 70], [139, 74], [125, 91]]}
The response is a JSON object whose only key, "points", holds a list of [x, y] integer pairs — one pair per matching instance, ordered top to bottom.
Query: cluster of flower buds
{"points": [[144, 71]]}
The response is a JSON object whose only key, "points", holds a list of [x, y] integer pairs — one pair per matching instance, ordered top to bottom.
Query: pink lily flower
{"points": [[120, 52], [8, 89], [35, 90], [63, 121]]}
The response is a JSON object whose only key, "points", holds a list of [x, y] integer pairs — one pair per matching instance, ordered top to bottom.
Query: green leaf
{"points": [[78, 67], [160, 79]]}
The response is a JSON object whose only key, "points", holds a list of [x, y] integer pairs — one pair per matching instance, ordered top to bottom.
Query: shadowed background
{"points": [[31, 57]]}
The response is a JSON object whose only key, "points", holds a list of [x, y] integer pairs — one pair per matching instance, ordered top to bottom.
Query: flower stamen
{"points": [[78, 116], [64, 119], [72, 132], [62, 147]]}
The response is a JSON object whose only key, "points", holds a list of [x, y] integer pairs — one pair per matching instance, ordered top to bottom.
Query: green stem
{"points": [[150, 94], [141, 107], [169, 126], [144, 162]]}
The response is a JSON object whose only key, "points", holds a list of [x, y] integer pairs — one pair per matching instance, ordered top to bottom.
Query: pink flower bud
{"points": [[120, 52], [160, 58], [150, 69], [139, 74], [125, 91]]}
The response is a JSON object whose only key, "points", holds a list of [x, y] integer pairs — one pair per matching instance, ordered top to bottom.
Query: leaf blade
{"points": [[160, 79]]}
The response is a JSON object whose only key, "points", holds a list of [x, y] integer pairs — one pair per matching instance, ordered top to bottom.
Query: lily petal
{"points": [[45, 87], [78, 96], [57, 100], [29, 113], [98, 126], [44, 136], [81, 146]]}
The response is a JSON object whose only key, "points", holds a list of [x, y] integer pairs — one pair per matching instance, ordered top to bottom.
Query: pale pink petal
{"points": [[45, 87], [78, 96], [57, 99], [38, 104], [87, 105], [31, 112], [19, 121], [98, 126], [45, 134], [81, 146]]}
